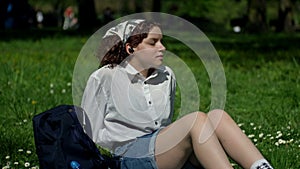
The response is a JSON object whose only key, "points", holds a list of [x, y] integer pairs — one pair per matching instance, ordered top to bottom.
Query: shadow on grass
{"points": [[36, 34], [260, 42]]}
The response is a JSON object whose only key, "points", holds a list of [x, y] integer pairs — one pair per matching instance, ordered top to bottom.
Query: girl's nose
{"points": [[161, 47]]}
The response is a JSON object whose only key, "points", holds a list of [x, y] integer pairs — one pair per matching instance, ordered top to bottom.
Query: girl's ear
{"points": [[129, 49]]}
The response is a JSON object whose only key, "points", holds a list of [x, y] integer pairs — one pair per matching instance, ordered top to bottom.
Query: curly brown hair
{"points": [[112, 48]]}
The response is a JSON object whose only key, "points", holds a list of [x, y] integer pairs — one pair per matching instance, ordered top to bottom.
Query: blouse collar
{"points": [[135, 73]]}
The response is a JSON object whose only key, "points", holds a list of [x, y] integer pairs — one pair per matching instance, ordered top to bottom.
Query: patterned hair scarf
{"points": [[124, 29]]}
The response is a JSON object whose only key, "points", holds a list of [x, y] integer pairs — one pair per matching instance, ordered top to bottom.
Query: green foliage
{"points": [[215, 10], [263, 90]]}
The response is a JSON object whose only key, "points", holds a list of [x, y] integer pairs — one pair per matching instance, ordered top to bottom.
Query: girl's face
{"points": [[149, 53]]}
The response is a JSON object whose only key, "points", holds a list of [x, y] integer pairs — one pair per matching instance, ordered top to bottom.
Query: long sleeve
{"points": [[94, 102]]}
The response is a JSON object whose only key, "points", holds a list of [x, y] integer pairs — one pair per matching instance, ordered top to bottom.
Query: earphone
{"points": [[130, 50]]}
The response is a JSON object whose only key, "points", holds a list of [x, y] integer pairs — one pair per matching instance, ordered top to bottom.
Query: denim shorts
{"points": [[140, 153]]}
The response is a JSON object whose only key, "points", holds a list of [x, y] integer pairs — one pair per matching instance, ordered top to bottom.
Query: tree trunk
{"points": [[138, 6], [156, 6], [86, 14], [285, 16], [257, 21]]}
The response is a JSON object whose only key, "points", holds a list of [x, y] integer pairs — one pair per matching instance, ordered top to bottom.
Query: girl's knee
{"points": [[200, 115], [218, 115], [194, 117], [219, 118], [200, 119]]}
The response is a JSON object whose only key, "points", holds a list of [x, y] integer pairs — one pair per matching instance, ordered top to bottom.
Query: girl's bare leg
{"points": [[205, 137], [177, 142], [236, 144]]}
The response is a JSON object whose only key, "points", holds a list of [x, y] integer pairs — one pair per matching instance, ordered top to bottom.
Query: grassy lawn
{"points": [[263, 90]]}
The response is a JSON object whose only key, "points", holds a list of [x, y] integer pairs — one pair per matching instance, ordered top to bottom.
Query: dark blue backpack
{"points": [[61, 142]]}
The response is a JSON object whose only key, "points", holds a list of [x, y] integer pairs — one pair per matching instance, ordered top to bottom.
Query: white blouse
{"points": [[121, 104]]}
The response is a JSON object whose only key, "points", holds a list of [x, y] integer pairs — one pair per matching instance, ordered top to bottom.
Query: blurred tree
{"points": [[138, 6], [156, 6], [192, 8], [195, 11], [256, 12], [16, 14], [208, 15], [87, 17], [285, 20]]}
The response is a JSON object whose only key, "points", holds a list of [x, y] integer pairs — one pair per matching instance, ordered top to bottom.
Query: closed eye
{"points": [[153, 41]]}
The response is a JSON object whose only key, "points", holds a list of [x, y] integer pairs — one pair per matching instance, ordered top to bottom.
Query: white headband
{"points": [[124, 29]]}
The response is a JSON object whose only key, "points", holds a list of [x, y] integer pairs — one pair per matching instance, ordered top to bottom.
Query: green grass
{"points": [[263, 90]]}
